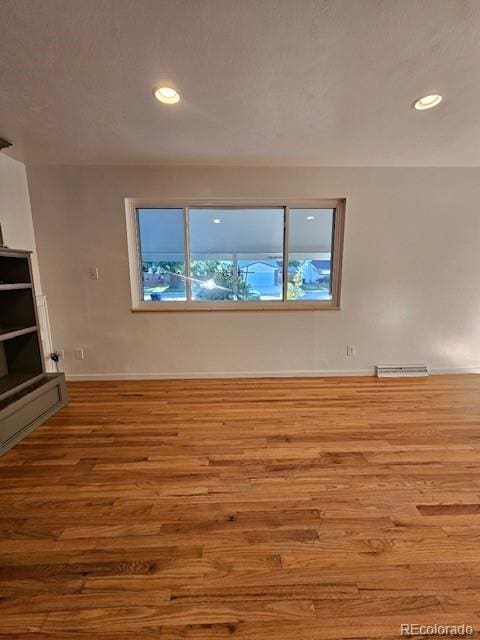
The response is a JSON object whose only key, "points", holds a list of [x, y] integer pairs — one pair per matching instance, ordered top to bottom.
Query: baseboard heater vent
{"points": [[401, 370]]}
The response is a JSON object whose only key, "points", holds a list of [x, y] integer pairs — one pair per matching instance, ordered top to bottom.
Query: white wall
{"points": [[15, 214], [411, 287]]}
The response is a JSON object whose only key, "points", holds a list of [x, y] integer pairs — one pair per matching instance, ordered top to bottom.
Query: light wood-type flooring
{"points": [[280, 509]]}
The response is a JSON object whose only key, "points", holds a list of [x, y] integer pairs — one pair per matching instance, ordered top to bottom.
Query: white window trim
{"points": [[134, 256]]}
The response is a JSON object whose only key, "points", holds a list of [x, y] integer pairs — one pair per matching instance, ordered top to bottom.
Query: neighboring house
{"points": [[323, 266], [313, 271], [260, 273], [268, 273], [310, 273]]}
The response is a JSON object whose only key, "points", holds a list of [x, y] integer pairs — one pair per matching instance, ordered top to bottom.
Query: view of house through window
{"points": [[310, 237], [235, 254]]}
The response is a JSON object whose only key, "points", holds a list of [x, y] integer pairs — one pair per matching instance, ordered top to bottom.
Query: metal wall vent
{"points": [[401, 370]]}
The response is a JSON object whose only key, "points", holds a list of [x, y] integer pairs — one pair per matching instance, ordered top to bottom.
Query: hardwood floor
{"points": [[300, 509]]}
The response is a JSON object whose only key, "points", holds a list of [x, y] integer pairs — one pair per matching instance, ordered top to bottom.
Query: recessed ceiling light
{"points": [[167, 95], [427, 102], [310, 217], [216, 221]]}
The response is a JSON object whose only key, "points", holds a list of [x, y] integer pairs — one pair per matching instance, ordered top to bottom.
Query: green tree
{"points": [[203, 268], [172, 269], [223, 275], [294, 288]]}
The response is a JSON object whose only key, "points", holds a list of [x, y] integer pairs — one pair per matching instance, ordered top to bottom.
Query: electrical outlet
{"points": [[94, 275], [350, 350], [80, 353]]}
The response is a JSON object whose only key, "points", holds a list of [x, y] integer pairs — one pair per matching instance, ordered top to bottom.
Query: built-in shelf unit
{"points": [[28, 395]]}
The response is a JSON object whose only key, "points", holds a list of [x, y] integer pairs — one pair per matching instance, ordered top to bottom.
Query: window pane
{"points": [[163, 254], [236, 254], [310, 254]]}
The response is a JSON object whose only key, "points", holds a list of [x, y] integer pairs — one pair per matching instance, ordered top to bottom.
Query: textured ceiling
{"points": [[285, 82]]}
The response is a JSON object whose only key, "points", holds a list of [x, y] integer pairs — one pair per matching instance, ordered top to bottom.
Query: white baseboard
{"points": [[440, 371], [182, 375]]}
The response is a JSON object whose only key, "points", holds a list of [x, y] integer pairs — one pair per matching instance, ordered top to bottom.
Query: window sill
{"points": [[236, 306]]}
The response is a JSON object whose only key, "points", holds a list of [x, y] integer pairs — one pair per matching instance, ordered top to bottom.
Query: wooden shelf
{"points": [[14, 286], [13, 331], [13, 382], [27, 395]]}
